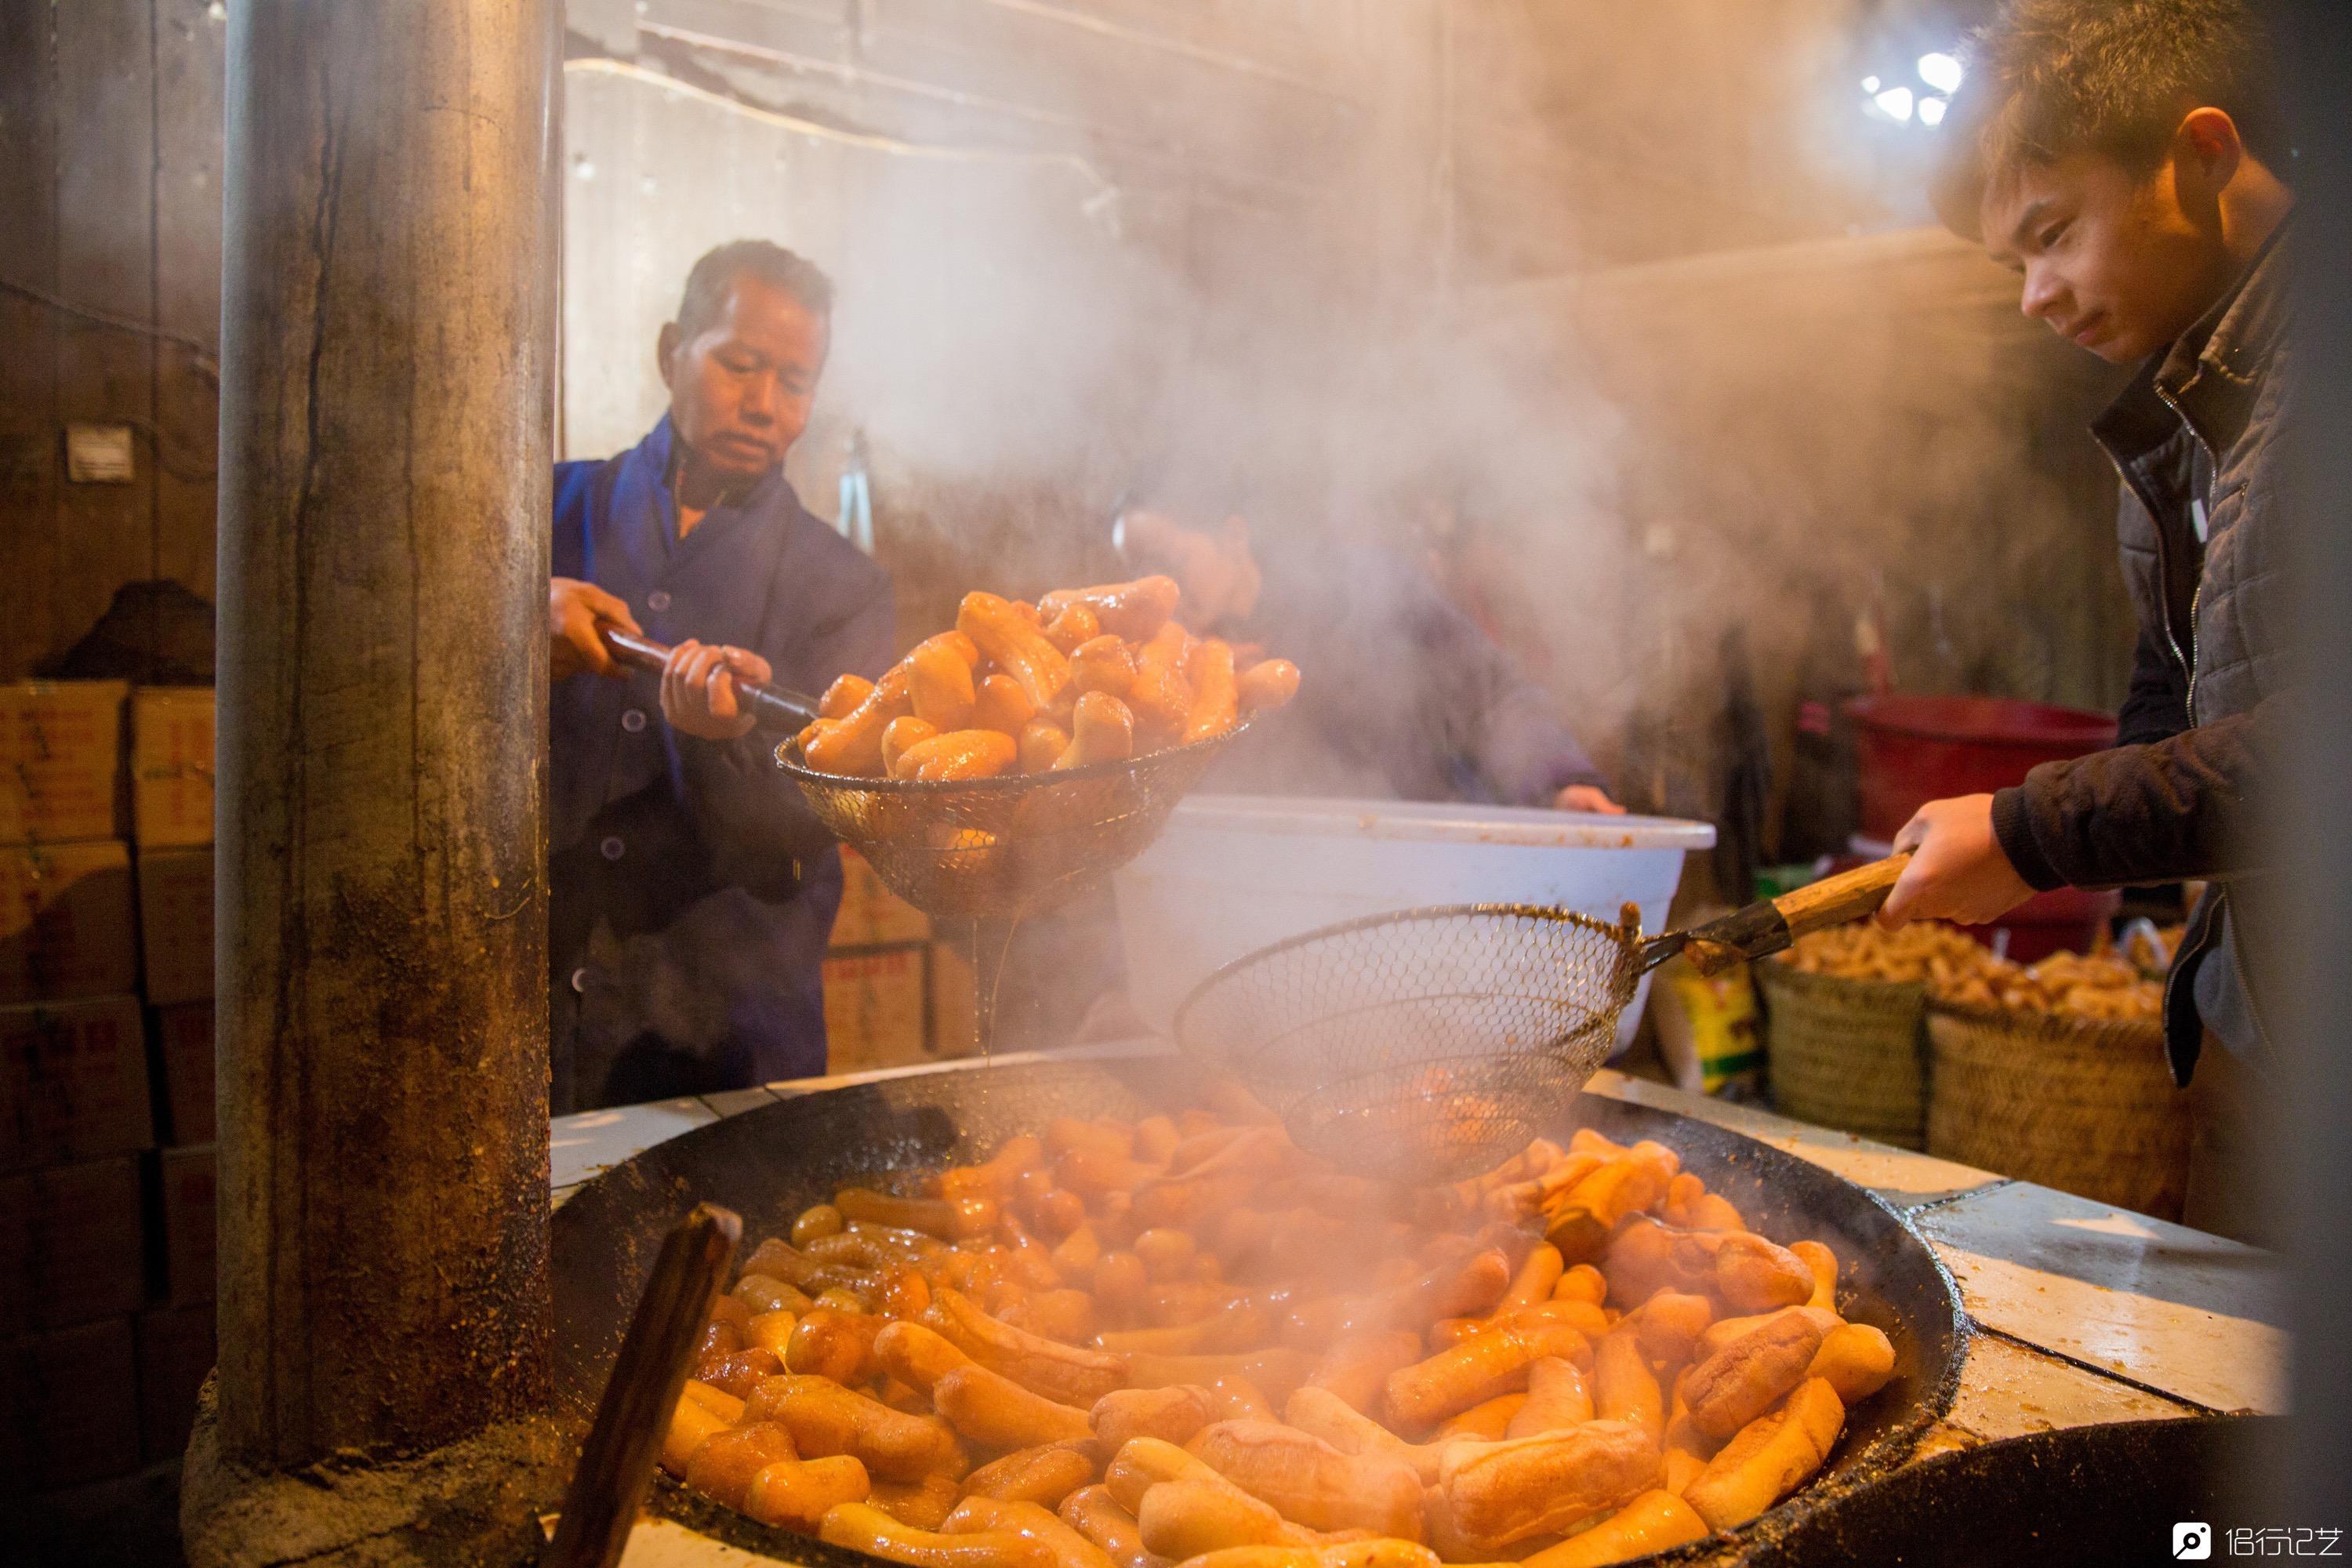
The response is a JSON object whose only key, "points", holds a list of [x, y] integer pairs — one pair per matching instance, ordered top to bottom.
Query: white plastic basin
{"points": [[1234, 873]]}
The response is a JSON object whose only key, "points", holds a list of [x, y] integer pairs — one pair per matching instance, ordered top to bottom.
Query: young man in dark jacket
{"points": [[2124, 157]]}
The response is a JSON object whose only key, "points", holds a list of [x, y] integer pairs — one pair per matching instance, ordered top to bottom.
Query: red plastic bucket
{"points": [[1913, 749]]}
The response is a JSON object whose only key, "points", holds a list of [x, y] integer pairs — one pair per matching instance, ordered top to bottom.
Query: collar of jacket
{"points": [[2207, 378]]}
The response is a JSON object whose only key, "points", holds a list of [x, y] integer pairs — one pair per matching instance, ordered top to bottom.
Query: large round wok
{"points": [[768, 1164]]}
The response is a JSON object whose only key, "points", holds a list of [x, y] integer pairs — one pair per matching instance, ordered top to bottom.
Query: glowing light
{"points": [[1940, 71], [1870, 84], [1897, 102], [1931, 111]]}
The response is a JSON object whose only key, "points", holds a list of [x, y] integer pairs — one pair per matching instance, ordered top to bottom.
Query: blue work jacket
{"points": [[691, 891]]}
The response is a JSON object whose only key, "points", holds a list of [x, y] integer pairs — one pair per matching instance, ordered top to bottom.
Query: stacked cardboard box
{"points": [[894, 995], [106, 1187]]}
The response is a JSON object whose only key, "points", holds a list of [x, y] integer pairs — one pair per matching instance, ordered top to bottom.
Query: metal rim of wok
{"points": [[1002, 784], [768, 1164]]}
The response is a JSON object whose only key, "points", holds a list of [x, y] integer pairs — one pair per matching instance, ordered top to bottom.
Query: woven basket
{"points": [[1847, 1053], [2086, 1106]]}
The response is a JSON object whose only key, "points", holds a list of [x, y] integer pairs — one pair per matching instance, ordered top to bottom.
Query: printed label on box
{"points": [[61, 760], [171, 766], [871, 915], [66, 925], [875, 1010], [75, 1082]]}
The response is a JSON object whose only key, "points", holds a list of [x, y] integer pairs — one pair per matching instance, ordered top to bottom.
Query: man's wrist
{"points": [[2013, 829]]}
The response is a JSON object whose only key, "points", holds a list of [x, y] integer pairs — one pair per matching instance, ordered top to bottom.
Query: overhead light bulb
{"points": [[1940, 71], [1870, 84], [1897, 102], [1931, 110]]}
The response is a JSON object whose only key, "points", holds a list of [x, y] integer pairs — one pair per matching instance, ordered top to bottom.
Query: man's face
{"points": [[2111, 262], [739, 390]]}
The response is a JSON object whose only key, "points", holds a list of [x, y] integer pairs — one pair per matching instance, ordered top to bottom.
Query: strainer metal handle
{"points": [[778, 705]]}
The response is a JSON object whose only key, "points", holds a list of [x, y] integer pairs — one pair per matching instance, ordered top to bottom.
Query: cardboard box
{"points": [[61, 761], [171, 766], [871, 915], [65, 924], [175, 925], [876, 1009], [184, 1036], [73, 1082], [191, 1225], [72, 1247], [175, 1347], [69, 1401]]}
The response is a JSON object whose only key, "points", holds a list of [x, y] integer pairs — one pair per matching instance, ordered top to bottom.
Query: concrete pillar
{"points": [[388, 339]]}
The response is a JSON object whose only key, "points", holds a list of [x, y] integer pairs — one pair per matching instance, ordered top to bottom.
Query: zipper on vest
{"points": [[2163, 572], [2195, 599], [2188, 665]]}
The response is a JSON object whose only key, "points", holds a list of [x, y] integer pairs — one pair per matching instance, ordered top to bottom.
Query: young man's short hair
{"points": [[2051, 78], [707, 285]]}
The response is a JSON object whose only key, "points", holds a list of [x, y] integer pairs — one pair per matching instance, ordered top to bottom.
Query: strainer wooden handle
{"points": [[769, 704], [1769, 926]]}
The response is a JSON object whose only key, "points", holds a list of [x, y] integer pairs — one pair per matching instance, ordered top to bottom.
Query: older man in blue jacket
{"points": [[691, 891]]}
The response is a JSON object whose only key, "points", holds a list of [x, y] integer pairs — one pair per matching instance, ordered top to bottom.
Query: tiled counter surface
{"points": [[2083, 1313]]}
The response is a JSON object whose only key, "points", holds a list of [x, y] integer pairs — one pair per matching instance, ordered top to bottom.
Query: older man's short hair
{"points": [[2047, 79], [715, 273]]}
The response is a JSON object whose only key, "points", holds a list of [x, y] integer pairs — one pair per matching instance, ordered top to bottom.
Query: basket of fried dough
{"points": [[2057, 1074], [1182, 1341]]}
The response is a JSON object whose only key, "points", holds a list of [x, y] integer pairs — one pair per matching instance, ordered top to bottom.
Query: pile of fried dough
{"points": [[1085, 675], [1960, 971], [1181, 1340]]}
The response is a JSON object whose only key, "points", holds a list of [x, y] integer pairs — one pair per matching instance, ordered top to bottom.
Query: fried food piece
{"points": [[1134, 610], [1075, 624], [1016, 647], [1106, 665], [939, 684], [1266, 685], [1158, 694], [842, 698], [1003, 704], [1215, 704], [1102, 729], [903, 735], [852, 744], [1041, 744], [958, 754], [1690, 1206], [1590, 1213], [951, 1219], [1823, 1265], [1753, 1275], [1537, 1278], [1581, 1283], [1065, 1316], [1669, 1325], [772, 1331], [838, 1345], [917, 1356], [1855, 1359], [1357, 1368], [1477, 1370], [1274, 1372], [1061, 1373], [740, 1374], [1746, 1378], [1623, 1387], [1238, 1399], [1556, 1399], [719, 1403], [997, 1413], [1172, 1415], [1326, 1416], [825, 1418], [1488, 1423], [690, 1426], [1769, 1459], [1142, 1463], [723, 1465], [1045, 1474], [1309, 1481], [1503, 1492], [796, 1494], [924, 1504], [1094, 1513], [1183, 1518], [1655, 1522], [862, 1526], [1071, 1550]]}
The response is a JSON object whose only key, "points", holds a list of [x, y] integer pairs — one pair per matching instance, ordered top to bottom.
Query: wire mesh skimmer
{"points": [[1429, 1044], [1424, 1045]]}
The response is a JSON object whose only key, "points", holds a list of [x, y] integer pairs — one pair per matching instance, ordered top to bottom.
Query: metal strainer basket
{"points": [[1007, 847], [1424, 1046]]}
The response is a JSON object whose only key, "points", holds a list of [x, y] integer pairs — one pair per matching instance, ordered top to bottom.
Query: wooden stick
{"points": [[1848, 896], [616, 1462]]}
